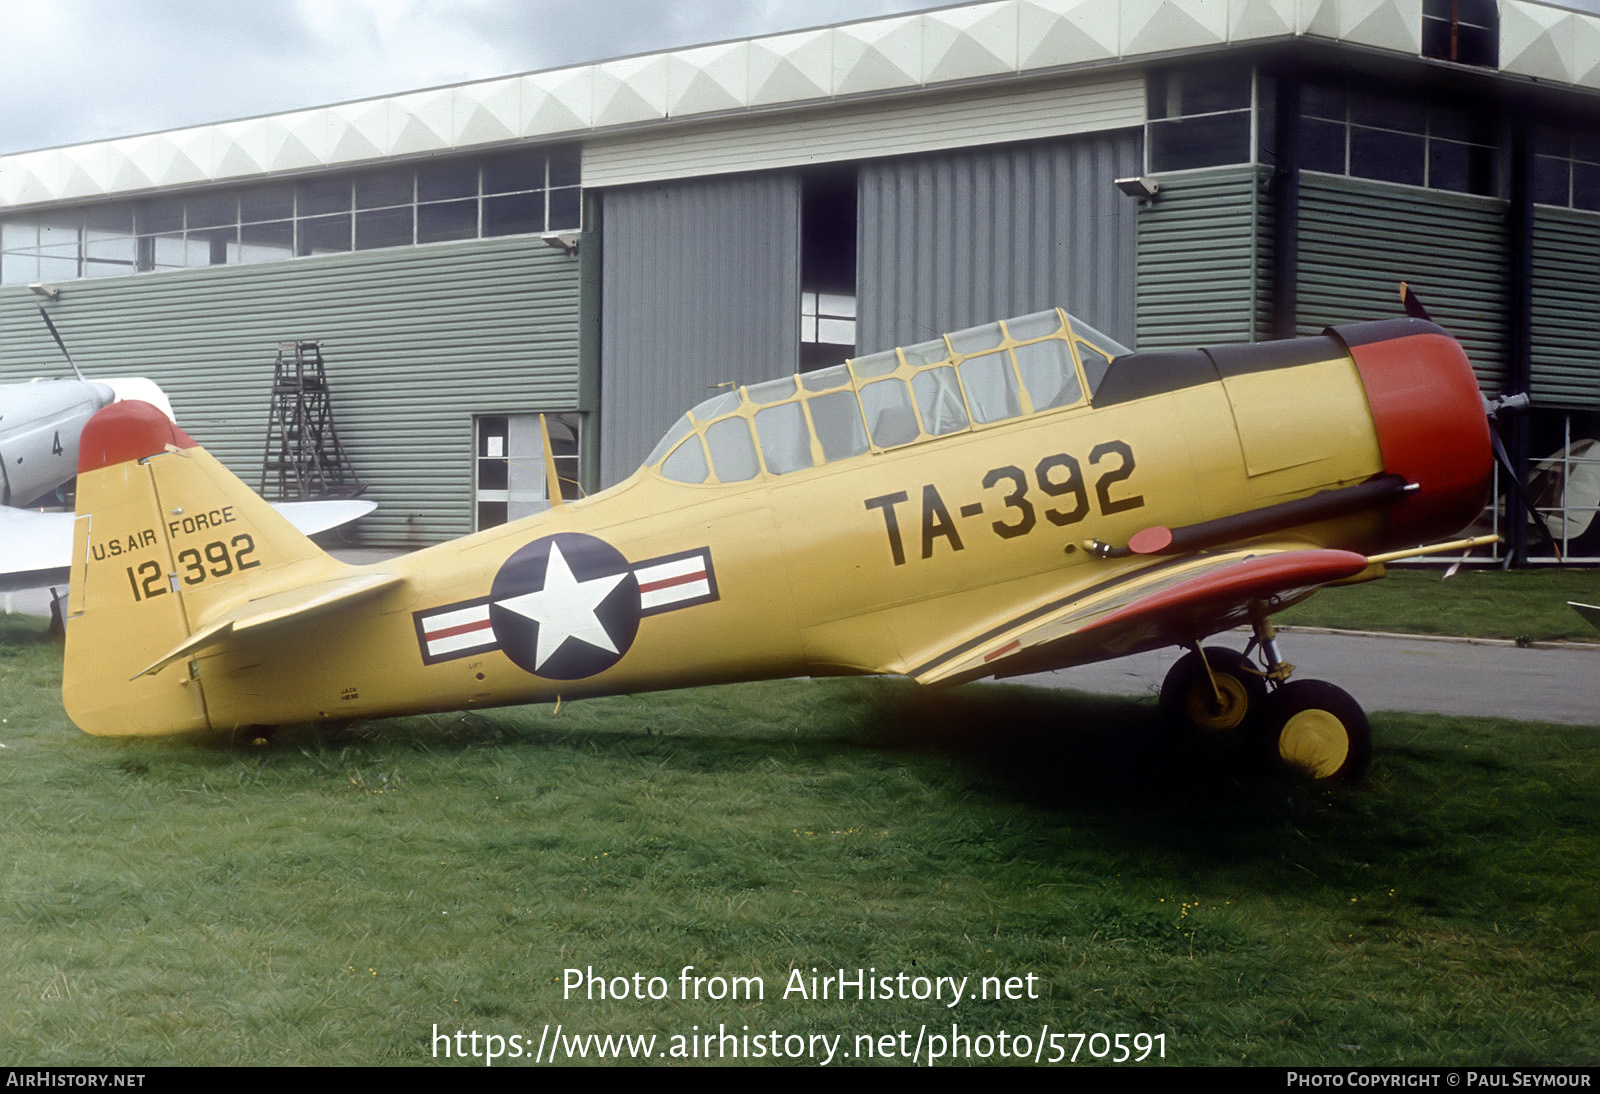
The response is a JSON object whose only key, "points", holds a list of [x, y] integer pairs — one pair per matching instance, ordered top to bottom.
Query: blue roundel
{"points": [[565, 606]]}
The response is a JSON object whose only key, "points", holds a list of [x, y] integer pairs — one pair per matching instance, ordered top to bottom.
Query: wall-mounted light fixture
{"points": [[1139, 186], [565, 242], [50, 294]]}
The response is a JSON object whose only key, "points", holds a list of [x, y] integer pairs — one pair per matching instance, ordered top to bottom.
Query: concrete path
{"points": [[1389, 672]]}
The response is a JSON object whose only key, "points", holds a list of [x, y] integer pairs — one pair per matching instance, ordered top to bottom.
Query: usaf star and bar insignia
{"points": [[566, 606]]}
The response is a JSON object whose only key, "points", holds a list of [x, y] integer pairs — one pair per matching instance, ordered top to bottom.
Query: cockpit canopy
{"points": [[962, 381]]}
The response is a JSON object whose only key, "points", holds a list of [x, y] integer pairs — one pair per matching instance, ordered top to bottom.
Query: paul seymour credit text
{"points": [[926, 1043]]}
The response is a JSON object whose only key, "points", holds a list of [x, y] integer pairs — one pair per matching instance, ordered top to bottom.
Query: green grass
{"points": [[1519, 604], [331, 897]]}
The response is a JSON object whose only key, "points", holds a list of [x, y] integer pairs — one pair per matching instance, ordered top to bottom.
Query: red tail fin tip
{"points": [[127, 431]]}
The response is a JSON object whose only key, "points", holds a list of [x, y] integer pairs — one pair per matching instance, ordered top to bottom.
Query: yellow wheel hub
{"points": [[1207, 714], [1316, 742]]}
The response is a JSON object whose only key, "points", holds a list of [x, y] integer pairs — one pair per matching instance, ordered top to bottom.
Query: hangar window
{"points": [[1464, 31], [1199, 116], [1398, 135], [1566, 166], [381, 189], [525, 191], [440, 221], [323, 235], [109, 247], [827, 326], [509, 473]]}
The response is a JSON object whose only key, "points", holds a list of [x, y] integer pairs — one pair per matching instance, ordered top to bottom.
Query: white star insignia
{"points": [[565, 608]]}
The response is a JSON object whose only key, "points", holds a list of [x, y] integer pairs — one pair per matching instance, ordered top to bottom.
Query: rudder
{"points": [[165, 539]]}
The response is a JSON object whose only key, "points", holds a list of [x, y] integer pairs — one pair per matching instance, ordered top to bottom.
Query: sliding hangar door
{"points": [[705, 281]]}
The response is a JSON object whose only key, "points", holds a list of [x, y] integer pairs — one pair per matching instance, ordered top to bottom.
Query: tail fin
{"points": [[166, 539]]}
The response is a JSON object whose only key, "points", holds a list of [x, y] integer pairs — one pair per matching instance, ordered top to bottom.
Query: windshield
{"points": [[1102, 342]]}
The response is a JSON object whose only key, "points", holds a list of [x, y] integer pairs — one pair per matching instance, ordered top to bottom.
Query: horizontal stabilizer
{"points": [[291, 605]]}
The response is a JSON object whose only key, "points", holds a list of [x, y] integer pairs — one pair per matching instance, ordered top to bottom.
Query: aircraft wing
{"points": [[311, 517], [36, 548], [1163, 602]]}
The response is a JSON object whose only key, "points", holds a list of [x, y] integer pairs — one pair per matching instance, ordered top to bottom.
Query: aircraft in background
{"points": [[39, 427], [1565, 491], [1020, 496]]}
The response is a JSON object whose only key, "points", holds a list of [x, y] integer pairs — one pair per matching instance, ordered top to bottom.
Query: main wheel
{"points": [[1188, 698], [1317, 729]]}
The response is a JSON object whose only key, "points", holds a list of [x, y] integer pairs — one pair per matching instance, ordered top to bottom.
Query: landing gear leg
{"points": [[1278, 670], [1214, 692], [1305, 726], [1308, 726]]}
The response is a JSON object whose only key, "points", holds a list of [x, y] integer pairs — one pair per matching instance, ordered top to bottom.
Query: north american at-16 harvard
{"points": [[1019, 496]]}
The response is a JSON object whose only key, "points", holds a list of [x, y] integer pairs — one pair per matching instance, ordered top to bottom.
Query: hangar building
{"points": [[609, 242]]}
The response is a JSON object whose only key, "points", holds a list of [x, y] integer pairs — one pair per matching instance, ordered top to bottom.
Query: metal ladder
{"points": [[303, 457]]}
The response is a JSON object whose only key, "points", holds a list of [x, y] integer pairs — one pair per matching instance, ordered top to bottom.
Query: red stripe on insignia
{"points": [[669, 582], [451, 632]]}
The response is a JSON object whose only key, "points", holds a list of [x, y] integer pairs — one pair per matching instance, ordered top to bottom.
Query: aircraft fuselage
{"points": [[898, 558]]}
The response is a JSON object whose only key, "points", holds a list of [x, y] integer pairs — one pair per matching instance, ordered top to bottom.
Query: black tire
{"points": [[1188, 700], [1316, 730]]}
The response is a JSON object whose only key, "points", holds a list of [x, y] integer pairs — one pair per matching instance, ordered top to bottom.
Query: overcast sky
{"points": [[85, 70]]}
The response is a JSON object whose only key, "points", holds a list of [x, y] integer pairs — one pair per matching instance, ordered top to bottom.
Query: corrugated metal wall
{"points": [[927, 122], [957, 239], [1360, 239], [1204, 261], [700, 287], [1566, 308], [416, 342]]}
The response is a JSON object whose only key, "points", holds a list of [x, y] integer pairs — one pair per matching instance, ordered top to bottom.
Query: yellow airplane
{"points": [[1018, 496]]}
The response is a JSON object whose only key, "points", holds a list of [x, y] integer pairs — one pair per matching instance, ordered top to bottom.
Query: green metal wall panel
{"points": [[1360, 239], [1203, 244], [1566, 308], [416, 340]]}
